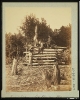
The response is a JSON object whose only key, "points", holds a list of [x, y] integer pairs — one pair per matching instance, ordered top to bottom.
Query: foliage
{"points": [[28, 28], [64, 36], [61, 38], [14, 44]]}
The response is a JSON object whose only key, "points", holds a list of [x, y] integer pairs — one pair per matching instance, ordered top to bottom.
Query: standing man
{"points": [[48, 42], [41, 47], [30, 55]]}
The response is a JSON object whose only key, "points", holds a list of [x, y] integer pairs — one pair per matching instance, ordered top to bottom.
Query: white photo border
{"points": [[74, 92]]}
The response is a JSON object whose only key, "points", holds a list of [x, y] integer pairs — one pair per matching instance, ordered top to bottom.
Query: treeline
{"points": [[16, 43]]}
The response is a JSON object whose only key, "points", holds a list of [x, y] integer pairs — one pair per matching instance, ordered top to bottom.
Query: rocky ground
{"points": [[33, 79]]}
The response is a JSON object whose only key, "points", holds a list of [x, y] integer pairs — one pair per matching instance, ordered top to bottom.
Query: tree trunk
{"points": [[14, 67], [56, 75]]}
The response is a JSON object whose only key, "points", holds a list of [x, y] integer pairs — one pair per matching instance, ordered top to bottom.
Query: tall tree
{"points": [[28, 28], [64, 36], [14, 43], [8, 44]]}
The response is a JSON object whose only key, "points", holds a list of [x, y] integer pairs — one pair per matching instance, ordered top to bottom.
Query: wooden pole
{"points": [[26, 51]]}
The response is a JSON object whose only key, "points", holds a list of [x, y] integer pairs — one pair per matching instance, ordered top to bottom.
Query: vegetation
{"points": [[16, 43], [25, 79]]}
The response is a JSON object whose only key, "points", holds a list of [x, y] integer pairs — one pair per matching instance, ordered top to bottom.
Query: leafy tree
{"points": [[28, 28], [64, 36], [8, 44], [14, 44]]}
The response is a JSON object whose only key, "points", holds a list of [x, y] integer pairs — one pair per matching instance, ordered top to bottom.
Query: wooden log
{"points": [[50, 49], [44, 52], [41, 55], [44, 57], [43, 60], [40, 63], [43, 63], [43, 66]]}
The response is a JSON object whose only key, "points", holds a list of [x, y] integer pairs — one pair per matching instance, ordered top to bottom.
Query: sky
{"points": [[54, 16]]}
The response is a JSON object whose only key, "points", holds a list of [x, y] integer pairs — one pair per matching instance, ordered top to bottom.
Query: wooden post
{"points": [[26, 52], [30, 58], [14, 66], [56, 71], [56, 75]]}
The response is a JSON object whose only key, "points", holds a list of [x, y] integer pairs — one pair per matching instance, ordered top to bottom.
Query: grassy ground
{"points": [[33, 79]]}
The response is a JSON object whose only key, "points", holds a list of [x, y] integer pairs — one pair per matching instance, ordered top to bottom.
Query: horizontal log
{"points": [[50, 49], [46, 51], [43, 52], [45, 55], [38, 58], [42, 60], [45, 62], [40, 63], [47, 65], [42, 66]]}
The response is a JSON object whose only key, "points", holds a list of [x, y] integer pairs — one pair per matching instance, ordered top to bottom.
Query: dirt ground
{"points": [[33, 79]]}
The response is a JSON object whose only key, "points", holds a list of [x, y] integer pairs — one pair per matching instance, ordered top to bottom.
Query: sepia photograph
{"points": [[38, 48]]}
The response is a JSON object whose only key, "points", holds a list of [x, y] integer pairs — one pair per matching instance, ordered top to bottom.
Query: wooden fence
{"points": [[48, 57]]}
